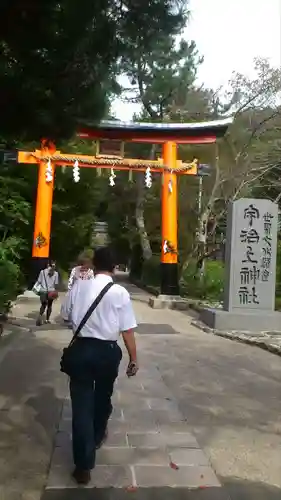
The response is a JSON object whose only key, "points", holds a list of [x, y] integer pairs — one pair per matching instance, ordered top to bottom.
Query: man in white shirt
{"points": [[96, 358]]}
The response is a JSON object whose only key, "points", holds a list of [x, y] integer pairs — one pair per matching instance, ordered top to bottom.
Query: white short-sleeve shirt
{"points": [[79, 273], [48, 282], [114, 314]]}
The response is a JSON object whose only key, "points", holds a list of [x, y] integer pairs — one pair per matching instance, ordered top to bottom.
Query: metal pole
{"points": [[200, 190], [199, 209], [201, 235]]}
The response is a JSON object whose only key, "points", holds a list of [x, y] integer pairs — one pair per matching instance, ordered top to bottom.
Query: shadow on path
{"points": [[32, 392], [236, 490], [247, 490]]}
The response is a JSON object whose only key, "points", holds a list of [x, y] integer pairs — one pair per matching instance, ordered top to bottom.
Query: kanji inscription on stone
{"points": [[251, 246]]}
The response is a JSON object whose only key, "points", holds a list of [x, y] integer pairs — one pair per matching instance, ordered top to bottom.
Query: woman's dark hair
{"points": [[104, 260]]}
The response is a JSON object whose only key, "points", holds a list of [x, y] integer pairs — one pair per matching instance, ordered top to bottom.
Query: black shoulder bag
{"points": [[66, 359]]}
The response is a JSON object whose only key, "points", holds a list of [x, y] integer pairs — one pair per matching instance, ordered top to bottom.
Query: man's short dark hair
{"points": [[104, 260]]}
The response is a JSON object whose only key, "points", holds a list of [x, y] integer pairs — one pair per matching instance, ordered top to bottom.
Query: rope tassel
{"points": [[76, 171], [49, 172], [112, 178]]}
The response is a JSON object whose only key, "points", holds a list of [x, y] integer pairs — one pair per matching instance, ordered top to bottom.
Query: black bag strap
{"points": [[45, 279], [90, 311]]}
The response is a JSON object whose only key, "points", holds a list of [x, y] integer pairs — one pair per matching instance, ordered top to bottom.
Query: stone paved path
{"points": [[149, 443]]}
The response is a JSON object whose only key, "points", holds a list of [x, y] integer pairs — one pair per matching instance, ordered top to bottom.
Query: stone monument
{"points": [[250, 267]]}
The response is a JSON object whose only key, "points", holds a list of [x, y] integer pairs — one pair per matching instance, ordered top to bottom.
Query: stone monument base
{"points": [[168, 302], [241, 321]]}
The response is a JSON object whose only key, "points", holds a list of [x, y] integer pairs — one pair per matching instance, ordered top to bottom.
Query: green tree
{"points": [[58, 59], [160, 77], [246, 153], [242, 159], [74, 213], [15, 219]]}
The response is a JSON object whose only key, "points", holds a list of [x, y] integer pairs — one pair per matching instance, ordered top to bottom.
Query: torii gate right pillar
{"points": [[169, 200]]}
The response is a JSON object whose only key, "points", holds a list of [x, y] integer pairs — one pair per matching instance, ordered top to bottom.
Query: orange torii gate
{"points": [[167, 134]]}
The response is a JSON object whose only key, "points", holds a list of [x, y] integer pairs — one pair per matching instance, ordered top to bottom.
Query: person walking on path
{"points": [[84, 270], [48, 281], [95, 356]]}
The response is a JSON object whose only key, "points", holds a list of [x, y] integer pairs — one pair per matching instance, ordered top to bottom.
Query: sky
{"points": [[229, 34]]}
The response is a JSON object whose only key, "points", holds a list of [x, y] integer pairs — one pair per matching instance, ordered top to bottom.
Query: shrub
{"points": [[136, 262], [278, 270], [151, 272], [10, 275], [9, 279], [63, 279], [209, 286], [278, 303]]}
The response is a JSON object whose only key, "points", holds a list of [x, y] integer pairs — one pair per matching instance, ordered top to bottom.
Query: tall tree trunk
{"points": [[139, 211], [140, 222], [202, 241], [199, 248]]}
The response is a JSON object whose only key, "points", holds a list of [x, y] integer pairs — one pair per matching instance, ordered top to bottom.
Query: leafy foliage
{"points": [[58, 59], [59, 67], [161, 72], [162, 77], [74, 210], [151, 274], [10, 275], [9, 278], [209, 286]]}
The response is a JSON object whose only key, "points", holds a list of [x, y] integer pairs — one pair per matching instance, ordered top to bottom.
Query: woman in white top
{"points": [[84, 270], [48, 280]]}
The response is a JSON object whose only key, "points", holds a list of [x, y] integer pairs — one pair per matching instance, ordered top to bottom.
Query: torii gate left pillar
{"points": [[43, 216]]}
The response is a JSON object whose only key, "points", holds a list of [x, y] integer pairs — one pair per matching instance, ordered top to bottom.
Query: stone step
{"points": [[154, 493]]}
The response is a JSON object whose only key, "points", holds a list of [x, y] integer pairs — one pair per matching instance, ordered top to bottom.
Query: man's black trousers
{"points": [[94, 369]]}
